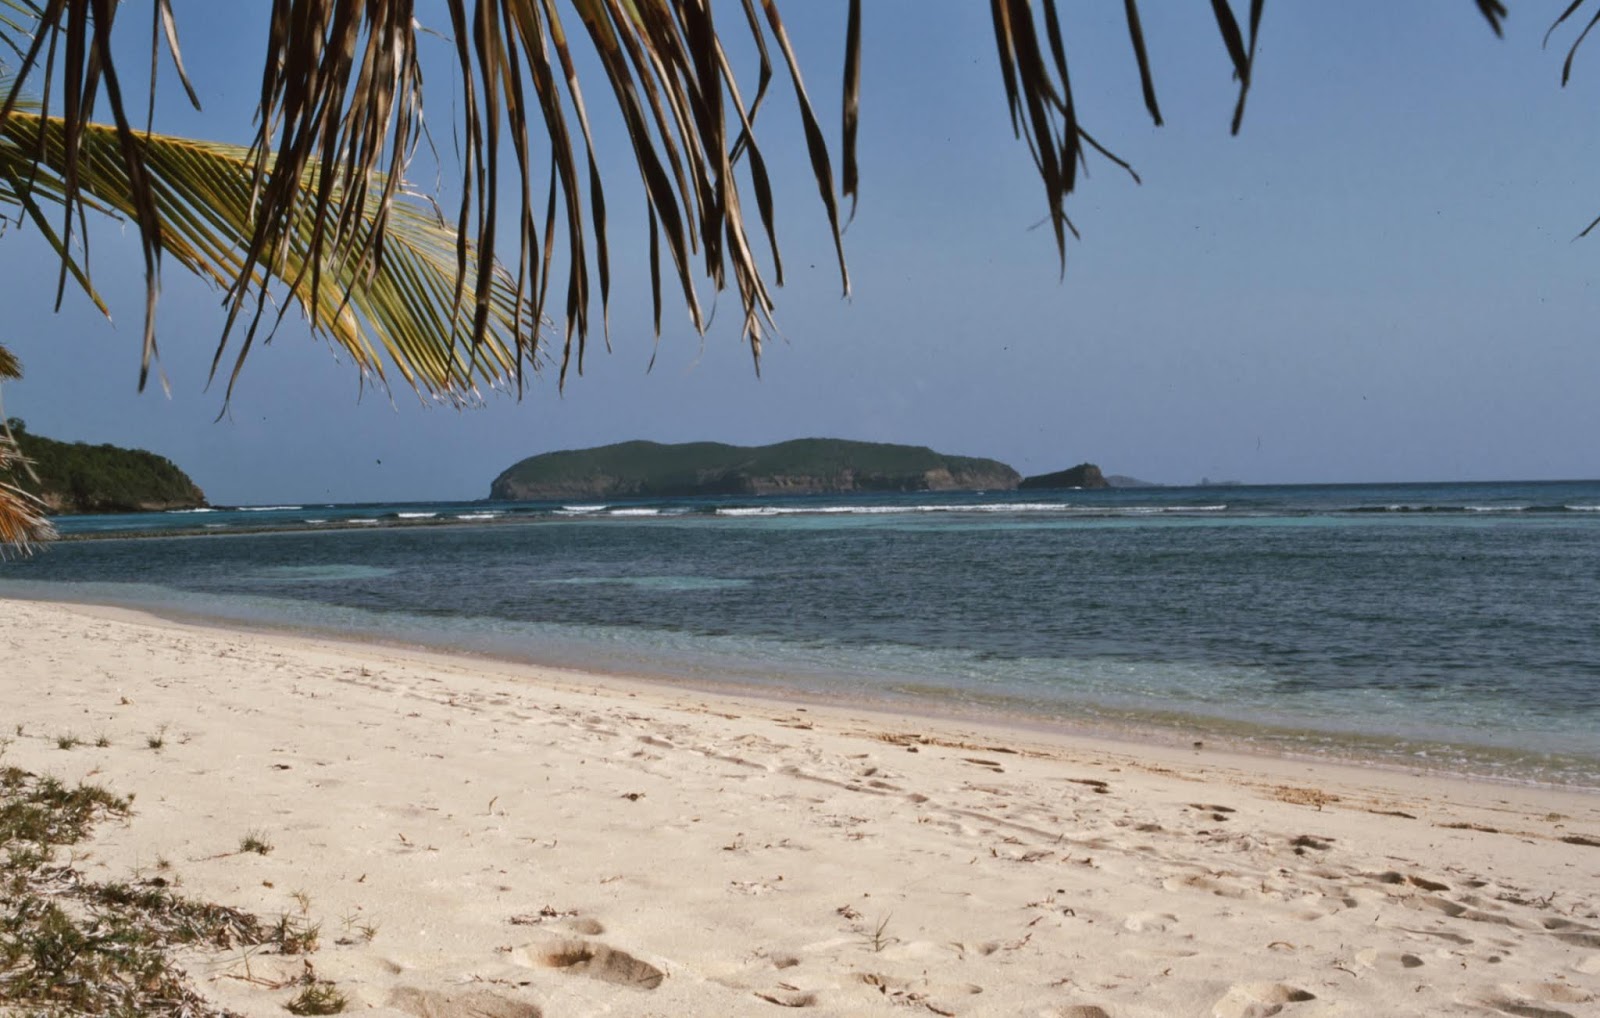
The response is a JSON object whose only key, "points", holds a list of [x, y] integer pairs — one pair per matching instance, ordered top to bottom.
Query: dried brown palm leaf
{"points": [[74, 38], [1034, 67], [23, 522]]}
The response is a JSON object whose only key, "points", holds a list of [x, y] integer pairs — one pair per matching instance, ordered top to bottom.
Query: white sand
{"points": [[538, 843]]}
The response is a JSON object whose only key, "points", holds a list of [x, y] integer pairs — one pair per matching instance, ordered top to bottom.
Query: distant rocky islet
{"points": [[809, 466]]}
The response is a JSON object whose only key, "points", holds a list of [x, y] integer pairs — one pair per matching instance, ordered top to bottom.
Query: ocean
{"points": [[1448, 627]]}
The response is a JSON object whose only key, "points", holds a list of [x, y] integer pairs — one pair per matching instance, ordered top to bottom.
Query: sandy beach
{"points": [[479, 838]]}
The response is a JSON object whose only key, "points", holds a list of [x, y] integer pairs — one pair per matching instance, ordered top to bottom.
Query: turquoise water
{"points": [[1447, 626]]}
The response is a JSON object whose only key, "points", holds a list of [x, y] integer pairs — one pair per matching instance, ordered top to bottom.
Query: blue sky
{"points": [[1377, 280]]}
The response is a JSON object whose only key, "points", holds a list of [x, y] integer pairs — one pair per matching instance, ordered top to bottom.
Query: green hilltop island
{"points": [[801, 467], [1084, 475], [76, 477]]}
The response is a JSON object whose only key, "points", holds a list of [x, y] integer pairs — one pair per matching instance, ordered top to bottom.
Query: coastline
{"points": [[1125, 727], [746, 848]]}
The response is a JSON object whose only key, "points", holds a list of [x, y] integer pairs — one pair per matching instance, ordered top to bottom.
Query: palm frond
{"points": [[18, 20], [1572, 54], [1038, 86], [341, 98], [341, 101], [400, 311], [10, 367], [23, 523]]}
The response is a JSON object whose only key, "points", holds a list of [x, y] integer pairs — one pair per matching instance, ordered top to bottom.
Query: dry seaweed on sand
{"points": [[71, 946]]}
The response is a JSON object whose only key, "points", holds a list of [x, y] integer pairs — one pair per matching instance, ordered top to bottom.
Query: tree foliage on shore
{"points": [[79, 477]]}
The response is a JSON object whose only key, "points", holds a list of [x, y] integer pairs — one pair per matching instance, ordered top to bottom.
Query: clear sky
{"points": [[1377, 280]]}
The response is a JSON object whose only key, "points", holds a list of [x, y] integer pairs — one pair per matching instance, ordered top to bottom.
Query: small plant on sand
{"points": [[68, 741], [102, 741], [158, 741], [255, 840], [354, 926], [295, 934], [879, 938], [72, 946], [318, 997]]}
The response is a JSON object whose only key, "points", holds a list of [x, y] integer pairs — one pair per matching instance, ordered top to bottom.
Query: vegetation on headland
{"points": [[802, 466], [1084, 475], [76, 477]]}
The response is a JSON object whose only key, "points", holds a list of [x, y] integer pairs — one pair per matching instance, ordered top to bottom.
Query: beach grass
{"points": [[255, 840], [74, 946], [317, 998]]}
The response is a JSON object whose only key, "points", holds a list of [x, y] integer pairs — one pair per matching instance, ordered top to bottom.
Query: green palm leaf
{"points": [[399, 311]]}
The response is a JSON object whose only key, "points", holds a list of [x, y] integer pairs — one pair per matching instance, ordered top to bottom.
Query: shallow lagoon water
{"points": [[1446, 626]]}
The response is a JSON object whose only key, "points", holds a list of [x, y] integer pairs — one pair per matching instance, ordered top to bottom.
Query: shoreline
{"points": [[1169, 728], [1172, 743], [536, 843]]}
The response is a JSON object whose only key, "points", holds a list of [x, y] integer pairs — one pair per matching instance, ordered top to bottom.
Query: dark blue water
{"points": [[1451, 626]]}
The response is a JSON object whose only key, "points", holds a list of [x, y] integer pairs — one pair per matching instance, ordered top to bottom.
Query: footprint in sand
{"points": [[1218, 813], [1220, 886], [1431, 903], [1455, 910], [1150, 922], [1453, 938], [1372, 958], [597, 961], [1552, 993], [788, 998], [1257, 1000], [459, 1004], [1521, 1007], [1076, 1011]]}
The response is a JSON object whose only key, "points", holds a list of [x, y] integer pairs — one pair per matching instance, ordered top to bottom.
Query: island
{"points": [[805, 466], [1084, 475], [76, 477]]}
